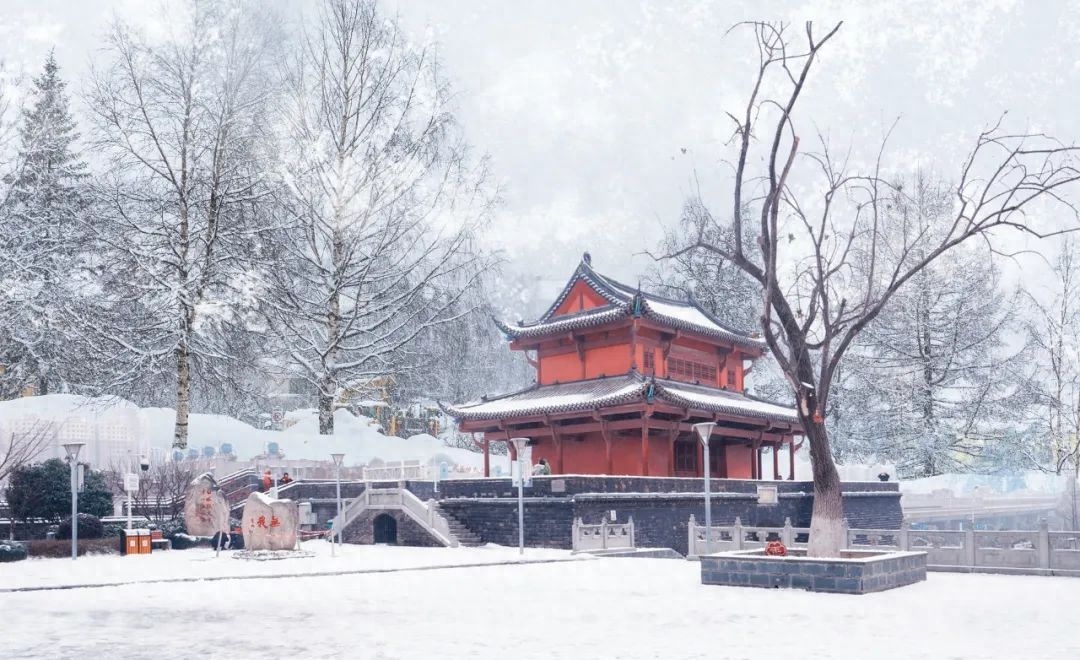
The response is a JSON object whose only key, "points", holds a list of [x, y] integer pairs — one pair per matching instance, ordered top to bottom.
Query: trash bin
{"points": [[144, 541], [129, 542]]}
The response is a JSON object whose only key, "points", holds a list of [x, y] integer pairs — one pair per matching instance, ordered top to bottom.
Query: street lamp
{"points": [[704, 432], [519, 448], [73, 449], [338, 460]]}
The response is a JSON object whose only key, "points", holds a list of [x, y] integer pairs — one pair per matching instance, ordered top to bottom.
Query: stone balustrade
{"points": [[605, 536], [1038, 551]]}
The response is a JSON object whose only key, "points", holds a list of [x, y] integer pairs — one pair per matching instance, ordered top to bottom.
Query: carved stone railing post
{"points": [[603, 533], [736, 534], [787, 535], [845, 535], [691, 537], [904, 541], [632, 543], [1044, 544], [969, 546]]}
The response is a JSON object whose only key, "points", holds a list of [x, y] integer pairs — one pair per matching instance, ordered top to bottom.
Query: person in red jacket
{"points": [[286, 479], [267, 481]]}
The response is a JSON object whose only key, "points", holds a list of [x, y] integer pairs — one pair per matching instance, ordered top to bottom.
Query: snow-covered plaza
{"points": [[578, 608]]}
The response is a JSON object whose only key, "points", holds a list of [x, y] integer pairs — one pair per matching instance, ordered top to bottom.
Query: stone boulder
{"points": [[206, 512], [270, 524]]}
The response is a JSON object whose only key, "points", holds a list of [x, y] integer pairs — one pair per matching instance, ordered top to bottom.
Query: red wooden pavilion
{"points": [[621, 377]]}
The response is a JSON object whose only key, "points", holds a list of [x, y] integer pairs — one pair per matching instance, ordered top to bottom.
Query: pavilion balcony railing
{"points": [[604, 536], [1038, 550]]}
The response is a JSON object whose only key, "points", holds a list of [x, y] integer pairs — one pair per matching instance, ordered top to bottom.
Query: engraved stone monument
{"points": [[205, 510], [270, 524]]}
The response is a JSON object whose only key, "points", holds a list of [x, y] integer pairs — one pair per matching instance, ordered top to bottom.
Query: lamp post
{"points": [[704, 432], [519, 448], [72, 449], [338, 460]]}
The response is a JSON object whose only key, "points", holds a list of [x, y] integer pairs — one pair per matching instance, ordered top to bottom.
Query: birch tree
{"points": [[182, 121], [382, 206], [825, 264]]}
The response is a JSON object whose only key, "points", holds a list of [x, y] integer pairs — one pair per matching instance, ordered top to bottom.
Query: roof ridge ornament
{"points": [[586, 258]]}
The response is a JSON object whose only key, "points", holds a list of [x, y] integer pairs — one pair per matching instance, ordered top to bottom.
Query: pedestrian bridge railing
{"points": [[605, 536], [1038, 550]]}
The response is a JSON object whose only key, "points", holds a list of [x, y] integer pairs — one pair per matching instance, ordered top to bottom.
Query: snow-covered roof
{"points": [[623, 302], [585, 395]]}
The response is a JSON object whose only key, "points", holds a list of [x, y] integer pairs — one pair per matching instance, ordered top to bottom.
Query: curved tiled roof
{"points": [[621, 300], [588, 395]]}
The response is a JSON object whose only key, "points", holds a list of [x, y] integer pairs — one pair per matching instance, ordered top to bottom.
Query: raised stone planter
{"points": [[854, 572]]}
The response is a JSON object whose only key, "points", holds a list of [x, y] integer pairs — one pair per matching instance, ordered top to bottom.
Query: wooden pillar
{"points": [[672, 436], [557, 439], [607, 444], [644, 446], [722, 448], [487, 456], [700, 457], [791, 458], [776, 461]]}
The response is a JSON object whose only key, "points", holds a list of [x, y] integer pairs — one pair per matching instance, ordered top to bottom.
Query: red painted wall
{"points": [[581, 297], [607, 361], [564, 367], [739, 464]]}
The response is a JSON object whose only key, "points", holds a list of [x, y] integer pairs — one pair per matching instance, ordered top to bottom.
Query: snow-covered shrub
{"points": [[90, 527], [11, 552]]}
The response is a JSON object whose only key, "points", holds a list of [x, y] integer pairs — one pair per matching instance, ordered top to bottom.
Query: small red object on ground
{"points": [[775, 549]]}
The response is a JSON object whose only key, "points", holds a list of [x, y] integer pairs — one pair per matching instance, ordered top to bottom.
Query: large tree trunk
{"points": [[183, 395], [326, 409], [827, 521]]}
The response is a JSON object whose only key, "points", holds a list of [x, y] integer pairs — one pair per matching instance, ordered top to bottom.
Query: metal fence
{"points": [[1038, 550]]}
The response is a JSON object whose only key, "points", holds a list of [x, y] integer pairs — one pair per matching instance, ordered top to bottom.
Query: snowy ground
{"points": [[201, 563], [607, 608]]}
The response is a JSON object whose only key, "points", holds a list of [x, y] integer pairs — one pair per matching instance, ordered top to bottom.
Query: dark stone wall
{"points": [[661, 507], [548, 521], [362, 530]]}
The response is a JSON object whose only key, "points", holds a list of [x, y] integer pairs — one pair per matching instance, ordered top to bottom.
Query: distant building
{"points": [[621, 375]]}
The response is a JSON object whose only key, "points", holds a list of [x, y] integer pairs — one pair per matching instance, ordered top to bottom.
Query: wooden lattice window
{"points": [[650, 360], [690, 370], [731, 379], [685, 456]]}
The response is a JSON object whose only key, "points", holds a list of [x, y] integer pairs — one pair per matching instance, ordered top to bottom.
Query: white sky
{"points": [[586, 106]]}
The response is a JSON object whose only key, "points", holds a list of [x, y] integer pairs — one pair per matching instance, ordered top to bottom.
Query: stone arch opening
{"points": [[385, 529]]}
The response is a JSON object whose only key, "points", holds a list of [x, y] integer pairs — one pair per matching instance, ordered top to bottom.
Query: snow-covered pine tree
{"points": [[183, 122], [383, 204], [41, 219], [931, 382]]}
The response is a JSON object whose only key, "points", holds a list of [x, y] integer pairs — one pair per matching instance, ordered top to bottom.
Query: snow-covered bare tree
{"points": [[183, 123], [382, 204], [41, 220], [825, 256], [1053, 334], [935, 382]]}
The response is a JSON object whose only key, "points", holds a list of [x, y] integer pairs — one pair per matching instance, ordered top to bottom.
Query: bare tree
{"points": [[182, 122], [382, 206], [824, 261], [1053, 331], [22, 447]]}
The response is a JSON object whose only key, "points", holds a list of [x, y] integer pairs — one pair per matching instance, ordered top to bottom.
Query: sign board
{"points": [[277, 415], [131, 482], [768, 495]]}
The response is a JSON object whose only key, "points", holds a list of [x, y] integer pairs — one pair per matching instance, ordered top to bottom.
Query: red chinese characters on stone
{"points": [[262, 522], [274, 522]]}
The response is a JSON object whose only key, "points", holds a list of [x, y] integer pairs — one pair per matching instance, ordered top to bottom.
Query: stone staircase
{"points": [[460, 531]]}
